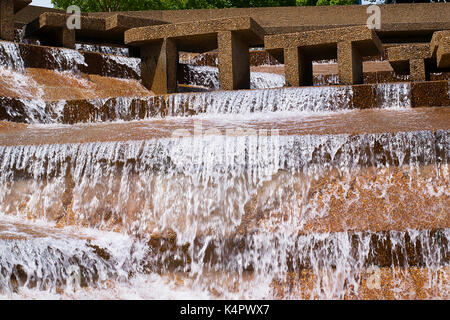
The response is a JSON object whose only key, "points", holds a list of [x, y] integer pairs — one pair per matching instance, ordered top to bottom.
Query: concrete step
{"points": [[61, 59], [305, 99]]}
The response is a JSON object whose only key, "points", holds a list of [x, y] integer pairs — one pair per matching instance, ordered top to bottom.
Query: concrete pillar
{"points": [[7, 20], [67, 38], [443, 53], [234, 61], [349, 63], [159, 66], [298, 68], [417, 70]]}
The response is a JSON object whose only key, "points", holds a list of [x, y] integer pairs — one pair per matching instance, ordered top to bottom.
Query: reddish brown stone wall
{"points": [[290, 19]]}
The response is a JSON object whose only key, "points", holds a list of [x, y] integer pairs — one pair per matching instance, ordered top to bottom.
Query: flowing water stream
{"points": [[280, 193]]}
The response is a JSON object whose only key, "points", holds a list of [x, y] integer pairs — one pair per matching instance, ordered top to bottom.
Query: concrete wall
{"points": [[285, 19]]}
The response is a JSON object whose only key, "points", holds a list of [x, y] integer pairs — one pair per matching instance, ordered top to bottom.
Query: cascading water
{"points": [[118, 51], [209, 77], [284, 193], [261, 197]]}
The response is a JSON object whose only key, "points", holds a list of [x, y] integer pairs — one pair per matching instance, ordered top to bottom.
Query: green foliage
{"points": [[306, 2], [334, 2], [135, 5]]}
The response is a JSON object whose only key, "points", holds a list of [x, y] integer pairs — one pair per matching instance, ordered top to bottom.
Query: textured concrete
{"points": [[8, 8], [6, 20], [400, 22], [51, 29], [347, 44], [160, 46], [440, 48], [443, 53], [35, 56], [413, 59], [159, 66], [52, 85], [59, 86]]}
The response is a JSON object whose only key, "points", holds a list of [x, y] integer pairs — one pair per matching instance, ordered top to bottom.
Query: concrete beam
{"points": [[8, 9], [7, 20], [51, 28], [232, 37], [348, 45], [440, 48], [443, 53], [413, 59], [234, 61], [159, 66]]}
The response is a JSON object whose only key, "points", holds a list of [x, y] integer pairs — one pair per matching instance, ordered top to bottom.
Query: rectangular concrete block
{"points": [[7, 20], [51, 28], [198, 30], [232, 37], [434, 43], [347, 44], [443, 53], [412, 59], [234, 61], [349, 63], [159, 66], [298, 68]]}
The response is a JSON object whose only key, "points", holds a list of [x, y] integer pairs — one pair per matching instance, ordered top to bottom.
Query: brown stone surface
{"points": [[7, 19], [406, 20], [401, 22], [51, 28], [198, 36], [434, 43], [348, 45], [160, 46], [443, 53], [36, 56], [413, 59], [234, 62], [159, 66], [51, 85], [430, 93], [395, 284]]}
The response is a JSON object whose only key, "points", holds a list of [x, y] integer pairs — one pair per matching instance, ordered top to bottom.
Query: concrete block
{"points": [[7, 20], [51, 29], [232, 37], [347, 44], [412, 59]]}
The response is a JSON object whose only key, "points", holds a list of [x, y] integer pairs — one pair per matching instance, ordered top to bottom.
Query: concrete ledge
{"points": [[8, 9], [51, 29], [197, 35], [348, 45], [160, 46], [440, 48], [443, 53], [36, 56], [413, 59], [365, 96]]}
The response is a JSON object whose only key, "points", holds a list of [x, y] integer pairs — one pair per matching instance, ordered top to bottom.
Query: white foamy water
{"points": [[118, 51], [208, 77], [198, 189], [222, 216]]}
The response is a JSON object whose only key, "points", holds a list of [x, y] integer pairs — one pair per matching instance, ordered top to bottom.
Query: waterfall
{"points": [[117, 51], [10, 56], [208, 77], [199, 188], [286, 193], [34, 256]]}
